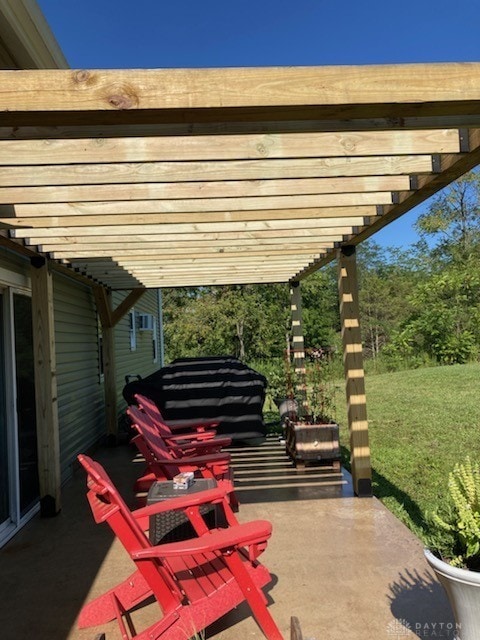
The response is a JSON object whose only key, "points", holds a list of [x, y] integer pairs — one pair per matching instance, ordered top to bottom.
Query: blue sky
{"points": [[214, 33]]}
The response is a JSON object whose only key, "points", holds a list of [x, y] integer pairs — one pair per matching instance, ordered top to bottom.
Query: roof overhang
{"points": [[154, 178]]}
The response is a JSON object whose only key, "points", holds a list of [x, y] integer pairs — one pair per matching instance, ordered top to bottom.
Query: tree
{"points": [[453, 219], [385, 278], [445, 304], [321, 316], [445, 318], [246, 321]]}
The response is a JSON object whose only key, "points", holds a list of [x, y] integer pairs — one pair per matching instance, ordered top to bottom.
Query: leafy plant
{"points": [[313, 389], [459, 537]]}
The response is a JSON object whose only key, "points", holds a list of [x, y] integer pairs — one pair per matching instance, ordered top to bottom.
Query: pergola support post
{"points": [[298, 346], [354, 372], [48, 441]]}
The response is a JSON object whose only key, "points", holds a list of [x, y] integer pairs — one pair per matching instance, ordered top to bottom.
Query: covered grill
{"points": [[210, 388]]}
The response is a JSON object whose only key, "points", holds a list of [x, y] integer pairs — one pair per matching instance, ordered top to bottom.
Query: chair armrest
{"points": [[192, 425], [203, 446], [205, 460], [181, 502], [255, 532]]}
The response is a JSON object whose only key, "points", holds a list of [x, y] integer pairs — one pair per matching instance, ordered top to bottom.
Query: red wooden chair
{"points": [[186, 432], [180, 444], [163, 463], [194, 582]]}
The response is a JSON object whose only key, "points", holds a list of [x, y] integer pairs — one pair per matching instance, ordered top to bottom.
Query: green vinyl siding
{"points": [[138, 362], [80, 394]]}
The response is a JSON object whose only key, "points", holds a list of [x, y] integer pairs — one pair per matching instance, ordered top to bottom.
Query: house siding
{"points": [[140, 361], [80, 392]]}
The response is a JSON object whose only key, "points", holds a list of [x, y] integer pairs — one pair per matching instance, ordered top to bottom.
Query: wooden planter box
{"points": [[312, 443]]}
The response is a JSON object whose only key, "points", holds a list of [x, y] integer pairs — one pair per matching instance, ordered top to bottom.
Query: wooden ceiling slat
{"points": [[172, 89], [235, 147], [147, 172], [219, 189], [196, 205], [337, 213], [89, 228], [205, 231], [122, 244], [177, 254], [187, 258], [185, 265]]}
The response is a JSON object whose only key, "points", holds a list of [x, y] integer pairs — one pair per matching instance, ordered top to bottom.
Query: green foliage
{"points": [[453, 219], [385, 278], [445, 318], [321, 319], [245, 321], [459, 530]]}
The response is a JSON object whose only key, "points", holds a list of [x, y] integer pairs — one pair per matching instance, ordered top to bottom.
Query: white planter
{"points": [[463, 590]]}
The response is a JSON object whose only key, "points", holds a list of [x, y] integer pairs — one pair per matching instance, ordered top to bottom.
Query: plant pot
{"points": [[312, 443], [463, 590]]}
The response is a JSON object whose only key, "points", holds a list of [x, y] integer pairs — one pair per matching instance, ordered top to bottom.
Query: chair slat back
{"points": [[154, 413], [145, 426], [108, 506]]}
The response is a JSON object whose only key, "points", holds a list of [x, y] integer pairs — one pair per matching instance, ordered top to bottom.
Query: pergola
{"points": [[164, 178]]}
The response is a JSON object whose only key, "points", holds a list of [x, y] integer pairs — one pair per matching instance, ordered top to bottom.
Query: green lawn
{"points": [[421, 422]]}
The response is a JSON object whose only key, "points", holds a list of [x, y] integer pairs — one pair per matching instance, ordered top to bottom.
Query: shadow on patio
{"points": [[343, 565]]}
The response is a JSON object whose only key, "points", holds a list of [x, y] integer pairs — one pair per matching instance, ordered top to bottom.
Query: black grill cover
{"points": [[219, 388]]}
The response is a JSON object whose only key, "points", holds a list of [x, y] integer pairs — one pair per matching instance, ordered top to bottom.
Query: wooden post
{"points": [[298, 346], [354, 373], [48, 440]]}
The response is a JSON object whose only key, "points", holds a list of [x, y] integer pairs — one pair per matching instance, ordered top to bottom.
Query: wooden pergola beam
{"points": [[427, 88], [235, 147], [152, 172], [224, 189], [176, 231]]}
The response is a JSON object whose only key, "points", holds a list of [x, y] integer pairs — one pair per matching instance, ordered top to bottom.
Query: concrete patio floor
{"points": [[343, 565]]}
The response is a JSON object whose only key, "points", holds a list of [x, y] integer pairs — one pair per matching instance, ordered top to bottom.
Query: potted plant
{"points": [[311, 431], [455, 550]]}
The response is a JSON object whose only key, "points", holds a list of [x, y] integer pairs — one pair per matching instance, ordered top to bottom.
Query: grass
{"points": [[421, 422]]}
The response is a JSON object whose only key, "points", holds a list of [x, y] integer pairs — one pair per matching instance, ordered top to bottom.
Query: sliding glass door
{"points": [[26, 421], [4, 446], [19, 488]]}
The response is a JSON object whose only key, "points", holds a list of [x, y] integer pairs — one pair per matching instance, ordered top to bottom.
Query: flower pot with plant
{"points": [[311, 431], [455, 548]]}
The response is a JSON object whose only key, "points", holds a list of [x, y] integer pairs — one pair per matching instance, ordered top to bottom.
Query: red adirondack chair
{"points": [[204, 430], [192, 443], [163, 463], [195, 582]]}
